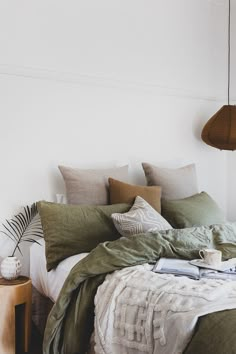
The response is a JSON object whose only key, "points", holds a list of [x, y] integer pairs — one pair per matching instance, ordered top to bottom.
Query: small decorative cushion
{"points": [[176, 183], [90, 187], [121, 192], [197, 210], [140, 218], [71, 229]]}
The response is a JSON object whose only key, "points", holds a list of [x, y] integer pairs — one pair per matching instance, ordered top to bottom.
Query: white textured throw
{"points": [[138, 311]]}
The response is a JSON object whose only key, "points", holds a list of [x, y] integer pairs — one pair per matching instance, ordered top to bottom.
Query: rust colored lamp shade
{"points": [[220, 130]]}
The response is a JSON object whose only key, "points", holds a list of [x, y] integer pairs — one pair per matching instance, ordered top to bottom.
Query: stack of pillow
{"points": [[182, 204], [102, 206]]}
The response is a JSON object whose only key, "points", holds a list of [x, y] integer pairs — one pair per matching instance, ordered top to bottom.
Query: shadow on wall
{"points": [[198, 124], [56, 184]]}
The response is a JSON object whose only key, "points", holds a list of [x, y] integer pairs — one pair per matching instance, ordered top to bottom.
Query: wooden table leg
{"points": [[15, 318], [27, 320], [7, 328]]}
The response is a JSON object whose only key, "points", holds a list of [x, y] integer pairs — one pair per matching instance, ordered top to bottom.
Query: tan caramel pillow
{"points": [[121, 192]]}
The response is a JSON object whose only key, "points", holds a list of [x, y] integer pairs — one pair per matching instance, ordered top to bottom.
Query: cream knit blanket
{"points": [[138, 311]]}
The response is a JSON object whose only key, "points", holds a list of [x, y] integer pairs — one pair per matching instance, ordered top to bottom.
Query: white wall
{"points": [[92, 83], [231, 156], [231, 186]]}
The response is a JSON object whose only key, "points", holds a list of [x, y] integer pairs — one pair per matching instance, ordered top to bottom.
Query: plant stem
{"points": [[15, 248]]}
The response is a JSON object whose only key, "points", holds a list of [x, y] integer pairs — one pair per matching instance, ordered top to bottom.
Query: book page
{"points": [[176, 267], [180, 267]]}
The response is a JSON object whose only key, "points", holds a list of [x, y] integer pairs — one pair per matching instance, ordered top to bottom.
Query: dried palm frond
{"points": [[23, 227]]}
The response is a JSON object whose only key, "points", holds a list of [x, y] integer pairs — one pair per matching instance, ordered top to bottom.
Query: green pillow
{"points": [[199, 209], [72, 229]]}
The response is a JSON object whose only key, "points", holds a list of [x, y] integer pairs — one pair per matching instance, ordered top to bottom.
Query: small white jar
{"points": [[10, 268]]}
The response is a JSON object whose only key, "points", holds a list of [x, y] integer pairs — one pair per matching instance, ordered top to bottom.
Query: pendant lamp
{"points": [[220, 130]]}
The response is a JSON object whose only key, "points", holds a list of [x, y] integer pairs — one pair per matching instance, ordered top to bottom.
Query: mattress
{"points": [[50, 283]]}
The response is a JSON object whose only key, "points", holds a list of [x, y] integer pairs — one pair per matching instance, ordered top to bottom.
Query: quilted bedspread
{"points": [[138, 311]]}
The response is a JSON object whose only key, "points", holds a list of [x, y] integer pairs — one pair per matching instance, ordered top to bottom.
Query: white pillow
{"points": [[61, 199], [140, 218]]}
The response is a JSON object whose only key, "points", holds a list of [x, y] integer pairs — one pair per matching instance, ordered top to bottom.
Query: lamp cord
{"points": [[229, 54]]}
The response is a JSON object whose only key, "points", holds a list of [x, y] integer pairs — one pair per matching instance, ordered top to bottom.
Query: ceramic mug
{"points": [[211, 256]]}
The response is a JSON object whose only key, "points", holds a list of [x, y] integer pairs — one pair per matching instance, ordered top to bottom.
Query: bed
{"points": [[98, 273], [135, 282], [47, 285]]}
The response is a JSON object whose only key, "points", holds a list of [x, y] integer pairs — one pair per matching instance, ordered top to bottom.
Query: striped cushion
{"points": [[140, 218]]}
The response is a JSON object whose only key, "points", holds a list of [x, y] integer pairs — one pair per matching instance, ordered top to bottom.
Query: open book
{"points": [[185, 268]]}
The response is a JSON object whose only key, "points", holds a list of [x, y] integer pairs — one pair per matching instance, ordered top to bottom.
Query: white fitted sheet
{"points": [[50, 283]]}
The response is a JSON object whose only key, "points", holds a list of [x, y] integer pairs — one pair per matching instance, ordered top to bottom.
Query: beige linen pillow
{"points": [[176, 183], [90, 186], [121, 192], [140, 218]]}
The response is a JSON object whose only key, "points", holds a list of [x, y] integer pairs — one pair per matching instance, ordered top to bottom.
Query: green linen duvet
{"points": [[70, 322]]}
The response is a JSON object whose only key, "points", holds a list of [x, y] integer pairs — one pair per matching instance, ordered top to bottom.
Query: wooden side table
{"points": [[15, 315]]}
